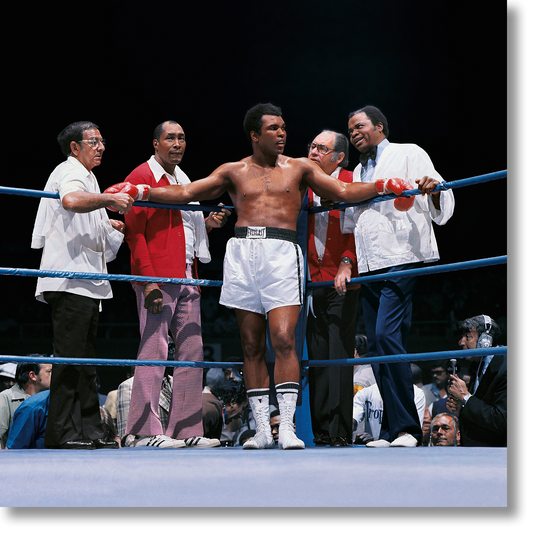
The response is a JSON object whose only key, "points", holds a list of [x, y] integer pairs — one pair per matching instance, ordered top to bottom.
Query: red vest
{"points": [[156, 237], [338, 244]]}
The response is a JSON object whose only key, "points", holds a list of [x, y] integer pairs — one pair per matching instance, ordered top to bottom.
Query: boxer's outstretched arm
{"points": [[204, 189]]}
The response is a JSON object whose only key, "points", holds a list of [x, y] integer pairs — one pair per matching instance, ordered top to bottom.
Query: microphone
{"points": [[453, 362]]}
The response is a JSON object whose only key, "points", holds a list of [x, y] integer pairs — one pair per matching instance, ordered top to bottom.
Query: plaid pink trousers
{"points": [[180, 317]]}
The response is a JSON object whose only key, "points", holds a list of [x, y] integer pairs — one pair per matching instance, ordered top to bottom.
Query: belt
{"points": [[262, 232]]}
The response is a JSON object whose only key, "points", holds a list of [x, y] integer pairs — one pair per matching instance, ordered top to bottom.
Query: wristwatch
{"points": [[347, 260], [465, 399]]}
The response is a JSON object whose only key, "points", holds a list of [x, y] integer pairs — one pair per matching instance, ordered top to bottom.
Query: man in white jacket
{"points": [[76, 235], [392, 240]]}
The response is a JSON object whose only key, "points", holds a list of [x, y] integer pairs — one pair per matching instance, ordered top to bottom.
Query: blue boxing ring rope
{"points": [[8, 271]]}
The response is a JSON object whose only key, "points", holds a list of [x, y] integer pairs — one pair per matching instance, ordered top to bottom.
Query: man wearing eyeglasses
{"points": [[76, 235], [332, 317]]}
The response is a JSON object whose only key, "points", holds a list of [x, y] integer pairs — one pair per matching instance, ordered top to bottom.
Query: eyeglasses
{"points": [[94, 142], [320, 148]]}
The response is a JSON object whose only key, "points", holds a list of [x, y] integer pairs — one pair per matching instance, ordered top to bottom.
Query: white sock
{"points": [[287, 395], [259, 403]]}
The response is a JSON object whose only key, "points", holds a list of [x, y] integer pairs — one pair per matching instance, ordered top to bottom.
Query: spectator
{"points": [[416, 371], [7, 375], [363, 375], [214, 377], [440, 377], [31, 378], [221, 405], [123, 408], [368, 408], [482, 408], [30, 420], [29, 423], [274, 424], [444, 430]]}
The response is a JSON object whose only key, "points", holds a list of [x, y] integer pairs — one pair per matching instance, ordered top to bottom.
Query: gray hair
{"points": [[340, 145]]}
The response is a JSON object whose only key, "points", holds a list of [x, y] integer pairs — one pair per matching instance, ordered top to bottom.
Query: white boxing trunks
{"points": [[263, 270]]}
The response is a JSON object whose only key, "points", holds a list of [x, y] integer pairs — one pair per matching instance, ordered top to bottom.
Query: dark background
{"points": [[437, 70]]}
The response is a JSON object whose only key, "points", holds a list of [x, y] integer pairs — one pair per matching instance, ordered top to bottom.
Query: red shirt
{"points": [[156, 237]]}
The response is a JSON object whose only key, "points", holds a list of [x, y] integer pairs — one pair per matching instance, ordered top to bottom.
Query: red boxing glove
{"points": [[396, 186], [139, 192], [404, 203]]}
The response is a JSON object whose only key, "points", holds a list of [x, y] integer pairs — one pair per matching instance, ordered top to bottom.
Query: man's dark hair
{"points": [[375, 116], [253, 120], [160, 128], [74, 132], [478, 323], [361, 345], [22, 374], [230, 391]]}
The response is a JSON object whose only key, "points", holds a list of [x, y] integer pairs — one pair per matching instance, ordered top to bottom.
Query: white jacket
{"points": [[385, 237], [74, 242]]}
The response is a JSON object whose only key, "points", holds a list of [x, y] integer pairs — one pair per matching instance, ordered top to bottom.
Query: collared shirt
{"points": [[367, 171], [386, 237], [74, 242], [196, 242], [482, 368], [10, 399], [124, 399], [29, 423]]}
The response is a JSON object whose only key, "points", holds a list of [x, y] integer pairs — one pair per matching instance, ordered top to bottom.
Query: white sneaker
{"points": [[129, 440], [404, 440], [159, 441], [260, 441], [289, 441], [201, 442], [381, 443]]}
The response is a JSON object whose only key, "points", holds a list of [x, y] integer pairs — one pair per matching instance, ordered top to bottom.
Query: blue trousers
{"points": [[387, 307]]}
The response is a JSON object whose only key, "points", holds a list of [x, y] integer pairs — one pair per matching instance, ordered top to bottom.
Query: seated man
{"points": [[221, 405], [29, 423]]}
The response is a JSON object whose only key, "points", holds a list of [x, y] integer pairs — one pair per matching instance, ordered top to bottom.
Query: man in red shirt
{"points": [[166, 243], [332, 318]]}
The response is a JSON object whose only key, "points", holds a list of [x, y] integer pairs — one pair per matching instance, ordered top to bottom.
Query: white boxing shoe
{"points": [[260, 441], [289, 441]]}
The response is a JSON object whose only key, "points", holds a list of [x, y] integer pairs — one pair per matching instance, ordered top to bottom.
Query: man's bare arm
{"points": [[204, 189], [334, 189]]}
